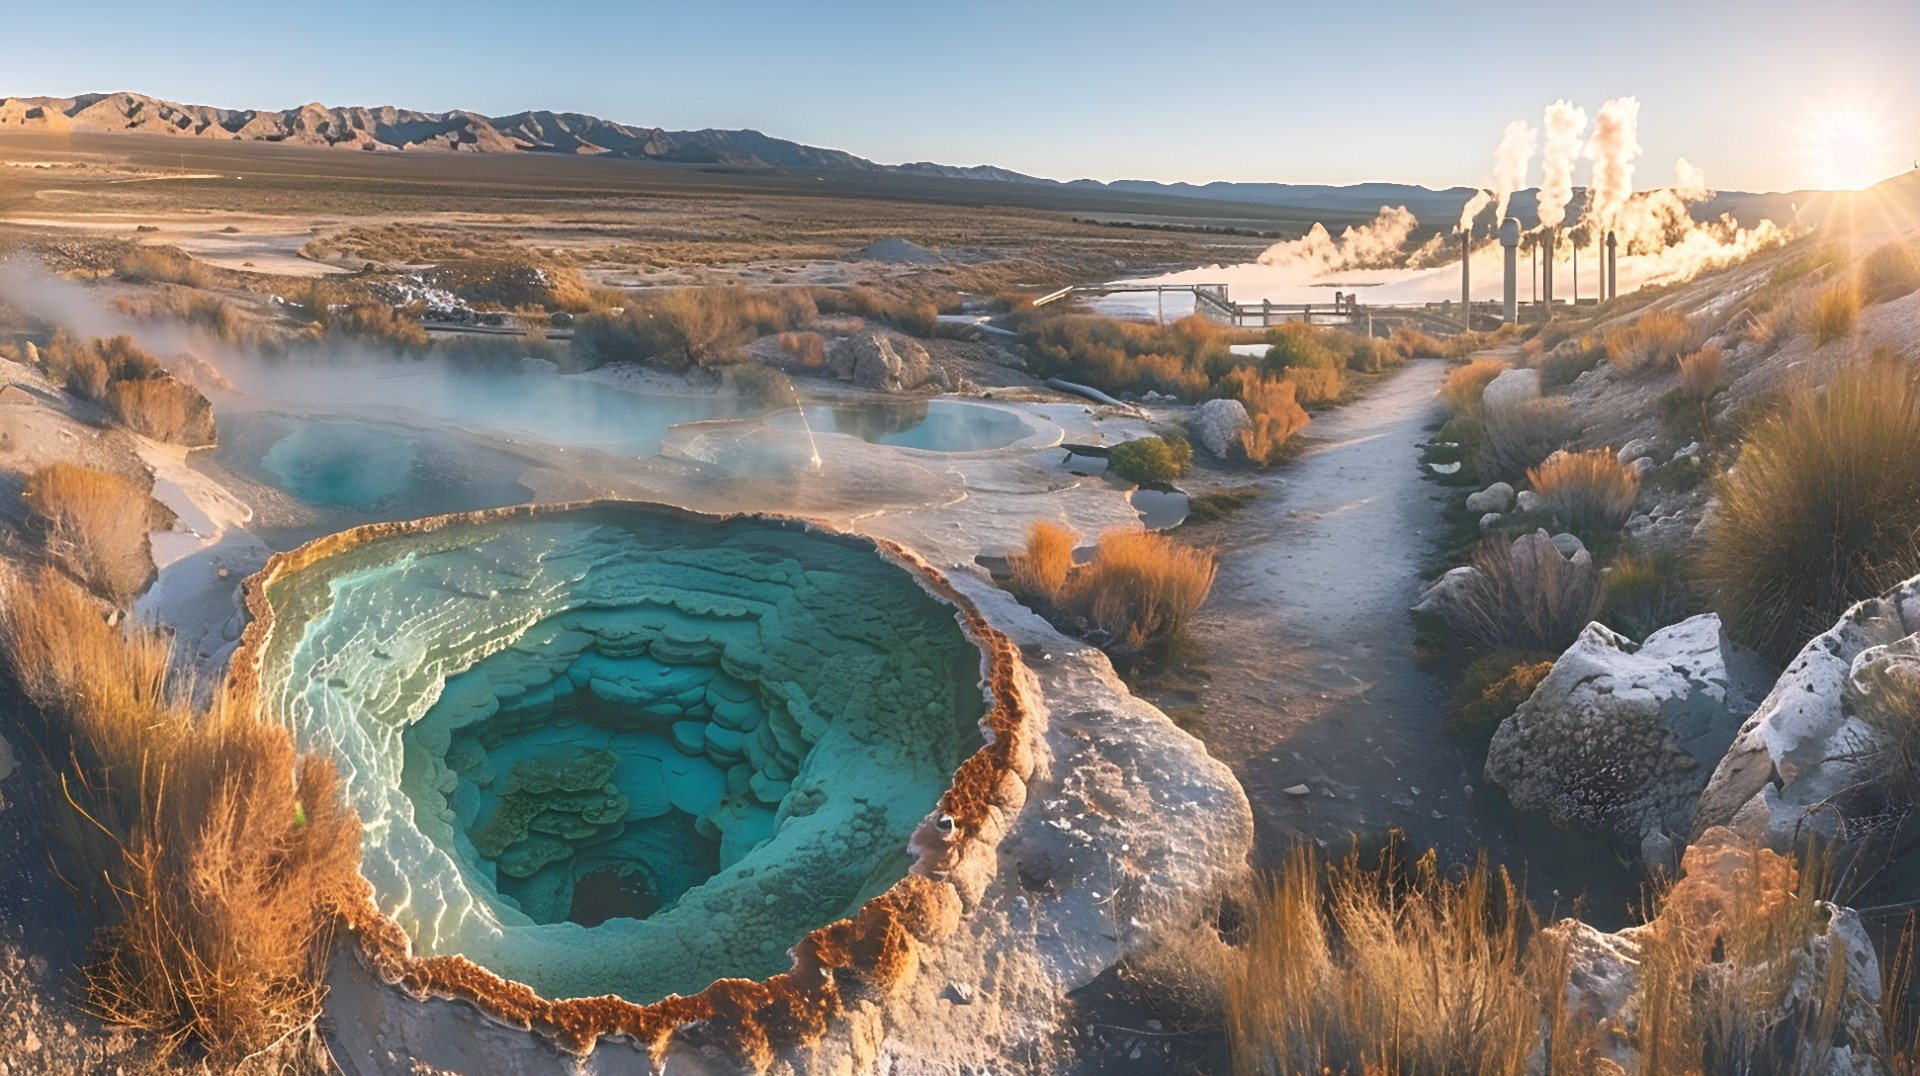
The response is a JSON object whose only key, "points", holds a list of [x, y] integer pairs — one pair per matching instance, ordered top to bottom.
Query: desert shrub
{"points": [[161, 265], [1890, 272], [1836, 309], [210, 314], [913, 314], [374, 323], [1768, 329], [1653, 341], [1413, 344], [1298, 346], [805, 348], [1112, 355], [1366, 355], [1564, 364], [1703, 374], [1315, 386], [1463, 388], [163, 408], [1274, 413], [1520, 436], [1151, 459], [1589, 493], [1823, 509], [95, 524], [1040, 568], [1141, 588], [1643, 593], [1524, 595], [1492, 687], [1886, 696], [217, 857], [1398, 969]]}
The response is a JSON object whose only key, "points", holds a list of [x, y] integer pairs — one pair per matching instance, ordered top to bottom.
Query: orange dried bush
{"points": [[1655, 340], [806, 348], [1704, 373], [1315, 385], [1464, 385], [1275, 414], [1588, 492], [95, 525], [1041, 567], [1141, 589]]}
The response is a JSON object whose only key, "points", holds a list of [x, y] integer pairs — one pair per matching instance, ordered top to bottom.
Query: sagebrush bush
{"points": [[163, 265], [1891, 272], [1836, 309], [680, 328], [1654, 341], [1301, 346], [1564, 364], [1703, 374], [1316, 386], [1464, 386], [1275, 415], [1521, 435], [1151, 459], [1590, 493], [1823, 508], [94, 524], [1040, 567], [1141, 588], [1524, 595], [1492, 687], [217, 856]]}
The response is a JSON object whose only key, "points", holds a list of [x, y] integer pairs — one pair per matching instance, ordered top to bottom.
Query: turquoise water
{"points": [[930, 425]]}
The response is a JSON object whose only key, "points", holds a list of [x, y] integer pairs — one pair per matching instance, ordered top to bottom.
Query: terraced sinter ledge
{"points": [[617, 752]]}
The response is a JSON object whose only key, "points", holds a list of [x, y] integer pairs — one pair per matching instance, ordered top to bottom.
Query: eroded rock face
{"points": [[880, 360], [1620, 738], [1803, 763], [1081, 801]]}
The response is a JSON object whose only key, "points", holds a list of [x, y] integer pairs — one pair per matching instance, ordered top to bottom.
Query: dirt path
{"points": [[1308, 659]]}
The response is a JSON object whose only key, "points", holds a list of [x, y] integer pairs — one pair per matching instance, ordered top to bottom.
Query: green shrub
{"points": [[1294, 346], [1151, 459], [1823, 509]]}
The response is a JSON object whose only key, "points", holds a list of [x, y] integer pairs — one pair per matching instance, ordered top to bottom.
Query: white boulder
{"points": [[1511, 388], [1217, 425], [1498, 497]]}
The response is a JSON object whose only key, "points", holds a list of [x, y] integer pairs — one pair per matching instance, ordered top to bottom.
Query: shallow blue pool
{"points": [[930, 425]]}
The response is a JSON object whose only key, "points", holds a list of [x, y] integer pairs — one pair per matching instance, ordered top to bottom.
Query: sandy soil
{"points": [[256, 245]]}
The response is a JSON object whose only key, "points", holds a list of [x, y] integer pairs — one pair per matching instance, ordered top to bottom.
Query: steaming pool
{"points": [[623, 750]]}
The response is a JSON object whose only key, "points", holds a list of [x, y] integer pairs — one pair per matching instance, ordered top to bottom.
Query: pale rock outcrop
{"points": [[880, 360], [1511, 388], [1218, 424], [1638, 448], [1498, 497], [1527, 500], [1490, 519], [1569, 545], [1444, 591], [1620, 738], [1802, 764], [1722, 874]]}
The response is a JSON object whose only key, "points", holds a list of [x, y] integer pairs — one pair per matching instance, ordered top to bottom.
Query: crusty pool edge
{"points": [[871, 954]]}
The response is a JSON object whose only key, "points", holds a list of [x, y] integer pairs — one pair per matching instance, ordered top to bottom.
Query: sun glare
{"points": [[1846, 146]]}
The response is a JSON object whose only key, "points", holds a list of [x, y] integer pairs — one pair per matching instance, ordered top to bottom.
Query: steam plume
{"points": [[1565, 123], [1615, 143], [1510, 160], [1475, 206], [1375, 245]]}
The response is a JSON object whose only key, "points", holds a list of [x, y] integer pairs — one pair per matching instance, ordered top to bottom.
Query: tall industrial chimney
{"points": [[1510, 239], [1613, 267], [1546, 274], [1466, 278]]}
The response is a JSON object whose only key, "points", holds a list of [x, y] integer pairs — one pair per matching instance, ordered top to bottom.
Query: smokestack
{"points": [[1510, 239], [1613, 267], [1546, 277], [1466, 279]]}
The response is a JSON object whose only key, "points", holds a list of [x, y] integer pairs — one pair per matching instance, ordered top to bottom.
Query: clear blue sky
{"points": [[1320, 92]]}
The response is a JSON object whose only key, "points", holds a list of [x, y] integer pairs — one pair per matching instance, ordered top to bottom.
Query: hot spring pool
{"points": [[930, 425], [367, 468], [621, 750]]}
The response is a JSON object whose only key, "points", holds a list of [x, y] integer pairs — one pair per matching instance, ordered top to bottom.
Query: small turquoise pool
{"points": [[929, 425], [366, 470]]}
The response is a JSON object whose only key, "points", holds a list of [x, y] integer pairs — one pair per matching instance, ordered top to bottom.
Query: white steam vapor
{"points": [[1565, 123], [1615, 144], [1510, 160], [1475, 206], [1376, 245]]}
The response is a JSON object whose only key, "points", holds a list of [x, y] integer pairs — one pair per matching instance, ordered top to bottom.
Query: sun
{"points": [[1846, 144]]}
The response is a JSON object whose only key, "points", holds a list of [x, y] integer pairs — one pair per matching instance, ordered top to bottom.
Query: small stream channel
{"points": [[1307, 671]]}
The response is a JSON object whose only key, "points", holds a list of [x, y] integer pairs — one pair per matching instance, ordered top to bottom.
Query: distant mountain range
{"points": [[388, 129]]}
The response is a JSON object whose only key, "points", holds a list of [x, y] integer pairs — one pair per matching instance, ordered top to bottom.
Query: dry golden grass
{"points": [[164, 265], [1836, 309], [1655, 340], [806, 348], [1703, 374], [1315, 386], [1463, 386], [162, 408], [1276, 415], [1518, 436], [1590, 492], [1823, 509], [95, 525], [1041, 567], [1141, 589], [1525, 596], [216, 855]]}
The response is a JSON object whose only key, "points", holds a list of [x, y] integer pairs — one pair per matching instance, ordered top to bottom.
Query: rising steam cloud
{"points": [[1565, 123], [1615, 144], [1510, 159], [1375, 245]]}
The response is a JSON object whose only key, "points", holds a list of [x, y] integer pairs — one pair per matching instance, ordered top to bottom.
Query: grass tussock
{"points": [[164, 265], [1891, 272], [1835, 312], [684, 328], [1654, 341], [1563, 364], [1703, 374], [131, 385], [1316, 386], [1464, 386], [1275, 414], [1521, 435], [1147, 460], [1589, 493], [1823, 509], [94, 524], [1040, 568], [1141, 589], [1646, 593], [1524, 595], [1492, 687], [217, 856]]}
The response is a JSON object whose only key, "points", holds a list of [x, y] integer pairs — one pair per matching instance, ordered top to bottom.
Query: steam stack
{"points": [[1510, 239], [1613, 267], [1546, 272], [1466, 278]]}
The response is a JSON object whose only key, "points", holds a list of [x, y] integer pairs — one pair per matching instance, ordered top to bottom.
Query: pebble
{"points": [[1296, 790]]}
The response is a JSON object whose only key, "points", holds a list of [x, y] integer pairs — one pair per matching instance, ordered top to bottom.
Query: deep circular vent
{"points": [[623, 751]]}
